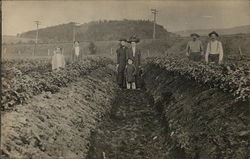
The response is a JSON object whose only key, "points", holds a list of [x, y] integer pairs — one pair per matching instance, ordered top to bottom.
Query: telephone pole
{"points": [[154, 11], [75, 25], [37, 26]]}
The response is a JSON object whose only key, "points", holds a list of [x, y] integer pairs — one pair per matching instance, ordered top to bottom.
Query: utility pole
{"points": [[154, 11], [37, 26], [74, 30], [74, 34]]}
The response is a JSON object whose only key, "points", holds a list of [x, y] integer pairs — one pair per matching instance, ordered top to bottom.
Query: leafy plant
{"points": [[232, 78], [25, 82]]}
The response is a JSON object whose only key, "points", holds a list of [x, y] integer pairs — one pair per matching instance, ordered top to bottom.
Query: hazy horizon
{"points": [[19, 16]]}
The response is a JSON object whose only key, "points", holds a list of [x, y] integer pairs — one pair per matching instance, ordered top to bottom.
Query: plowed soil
{"points": [[132, 131]]}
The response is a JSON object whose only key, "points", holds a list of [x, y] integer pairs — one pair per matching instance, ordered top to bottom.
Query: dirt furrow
{"points": [[133, 130]]}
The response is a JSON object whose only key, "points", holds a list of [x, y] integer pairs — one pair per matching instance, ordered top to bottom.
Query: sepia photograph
{"points": [[125, 79]]}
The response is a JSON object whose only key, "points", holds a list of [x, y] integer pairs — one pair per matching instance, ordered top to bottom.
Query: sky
{"points": [[178, 15]]}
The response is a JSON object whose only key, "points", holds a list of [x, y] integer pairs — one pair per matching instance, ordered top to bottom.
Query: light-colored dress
{"points": [[77, 51], [58, 61]]}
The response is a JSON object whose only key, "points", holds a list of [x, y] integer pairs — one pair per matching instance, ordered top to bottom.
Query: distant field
{"points": [[245, 29], [7, 39], [231, 44], [149, 47]]}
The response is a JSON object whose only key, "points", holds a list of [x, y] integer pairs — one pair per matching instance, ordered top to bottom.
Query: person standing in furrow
{"points": [[122, 53], [134, 53]]}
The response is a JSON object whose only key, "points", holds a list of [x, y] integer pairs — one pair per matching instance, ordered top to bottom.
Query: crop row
{"points": [[26, 65], [231, 78], [17, 87]]}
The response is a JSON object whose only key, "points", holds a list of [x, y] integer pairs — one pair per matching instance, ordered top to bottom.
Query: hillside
{"points": [[99, 30], [226, 31]]}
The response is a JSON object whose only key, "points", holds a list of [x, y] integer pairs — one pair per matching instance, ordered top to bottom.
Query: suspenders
{"points": [[210, 46]]}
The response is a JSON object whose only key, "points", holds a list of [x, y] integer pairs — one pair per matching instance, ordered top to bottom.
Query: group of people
{"points": [[214, 52], [129, 58], [58, 59], [129, 64]]}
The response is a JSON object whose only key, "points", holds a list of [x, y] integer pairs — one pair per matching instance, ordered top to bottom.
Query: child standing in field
{"points": [[77, 52], [58, 60], [130, 72]]}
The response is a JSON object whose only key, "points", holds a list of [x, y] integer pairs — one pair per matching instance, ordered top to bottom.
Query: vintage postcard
{"points": [[125, 79]]}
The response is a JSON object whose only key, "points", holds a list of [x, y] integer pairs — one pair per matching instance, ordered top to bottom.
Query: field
{"points": [[14, 40], [172, 46], [183, 106]]}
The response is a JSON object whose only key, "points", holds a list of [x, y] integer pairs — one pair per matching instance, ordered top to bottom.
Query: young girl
{"points": [[76, 54], [58, 60], [130, 72]]}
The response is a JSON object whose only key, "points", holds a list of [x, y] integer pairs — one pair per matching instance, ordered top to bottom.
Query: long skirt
{"points": [[58, 61], [139, 82]]}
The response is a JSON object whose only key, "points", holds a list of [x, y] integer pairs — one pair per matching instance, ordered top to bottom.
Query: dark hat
{"points": [[213, 32], [195, 34], [123, 39], [133, 39], [130, 59]]}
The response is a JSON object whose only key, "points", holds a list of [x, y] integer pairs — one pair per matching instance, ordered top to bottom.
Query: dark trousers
{"points": [[195, 56], [213, 58], [121, 79], [139, 82]]}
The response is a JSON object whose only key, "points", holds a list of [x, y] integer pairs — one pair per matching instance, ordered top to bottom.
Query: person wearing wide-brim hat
{"points": [[213, 33], [194, 34], [123, 39], [133, 39], [194, 49], [214, 51], [122, 53], [134, 53]]}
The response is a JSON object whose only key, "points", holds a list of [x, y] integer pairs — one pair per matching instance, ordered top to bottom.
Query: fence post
{"points": [[240, 51]]}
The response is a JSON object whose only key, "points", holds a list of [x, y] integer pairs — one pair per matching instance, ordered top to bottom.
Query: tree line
{"points": [[98, 31]]}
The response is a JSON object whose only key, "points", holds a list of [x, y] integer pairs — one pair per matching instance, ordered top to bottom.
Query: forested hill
{"points": [[99, 30]]}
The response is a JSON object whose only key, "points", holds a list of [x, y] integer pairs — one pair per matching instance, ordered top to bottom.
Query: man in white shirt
{"points": [[214, 51]]}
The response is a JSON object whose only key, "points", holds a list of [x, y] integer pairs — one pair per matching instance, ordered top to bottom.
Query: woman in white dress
{"points": [[58, 60]]}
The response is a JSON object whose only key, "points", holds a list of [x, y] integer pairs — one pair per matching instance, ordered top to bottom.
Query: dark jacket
{"points": [[122, 57], [136, 58], [130, 72]]}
